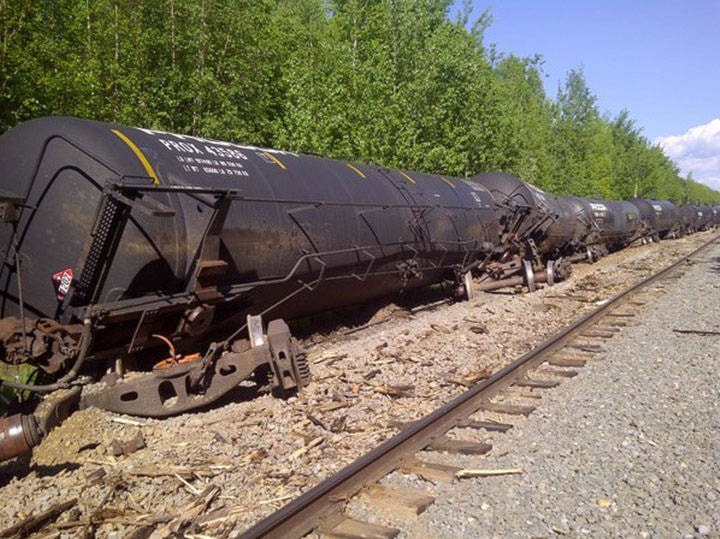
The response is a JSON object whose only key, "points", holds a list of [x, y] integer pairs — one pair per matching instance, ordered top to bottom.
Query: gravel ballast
{"points": [[629, 448], [256, 452]]}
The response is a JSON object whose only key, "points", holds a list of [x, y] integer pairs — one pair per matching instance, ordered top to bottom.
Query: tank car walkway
{"points": [[630, 448]]}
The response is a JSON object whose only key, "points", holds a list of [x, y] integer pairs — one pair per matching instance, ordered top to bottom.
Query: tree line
{"points": [[391, 82]]}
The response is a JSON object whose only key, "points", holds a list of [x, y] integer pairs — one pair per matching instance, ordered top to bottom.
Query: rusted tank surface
{"points": [[716, 215]]}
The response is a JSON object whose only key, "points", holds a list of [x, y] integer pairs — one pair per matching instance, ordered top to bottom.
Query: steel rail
{"points": [[329, 497]]}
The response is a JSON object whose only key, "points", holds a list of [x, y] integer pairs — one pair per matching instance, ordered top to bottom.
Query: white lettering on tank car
{"points": [[215, 143], [180, 147], [228, 153], [228, 168], [477, 198], [597, 207], [657, 207]]}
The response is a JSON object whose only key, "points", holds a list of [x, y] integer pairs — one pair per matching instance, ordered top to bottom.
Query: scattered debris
{"points": [[480, 329], [701, 332], [328, 358], [472, 378], [396, 391], [313, 443], [126, 447], [466, 473], [96, 476], [33, 523]]}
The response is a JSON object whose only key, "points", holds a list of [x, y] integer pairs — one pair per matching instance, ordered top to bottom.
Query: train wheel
{"points": [[550, 273], [529, 276], [467, 285], [463, 288]]}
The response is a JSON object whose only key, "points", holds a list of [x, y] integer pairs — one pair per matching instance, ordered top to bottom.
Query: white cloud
{"points": [[696, 152]]}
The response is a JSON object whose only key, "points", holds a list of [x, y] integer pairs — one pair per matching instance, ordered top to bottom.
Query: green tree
{"points": [[576, 120], [527, 151]]}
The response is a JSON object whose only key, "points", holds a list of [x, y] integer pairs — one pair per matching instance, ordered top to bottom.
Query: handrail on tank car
{"points": [[123, 188], [235, 194]]}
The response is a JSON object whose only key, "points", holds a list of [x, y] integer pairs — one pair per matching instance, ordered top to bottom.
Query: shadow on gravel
{"points": [[355, 316], [246, 391], [20, 467]]}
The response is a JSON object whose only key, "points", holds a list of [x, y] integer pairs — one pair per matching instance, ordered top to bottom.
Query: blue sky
{"points": [[660, 60]]}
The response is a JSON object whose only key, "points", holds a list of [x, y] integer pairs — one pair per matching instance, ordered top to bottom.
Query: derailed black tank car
{"points": [[659, 217], [704, 217], [694, 218], [618, 222], [538, 230], [118, 240]]}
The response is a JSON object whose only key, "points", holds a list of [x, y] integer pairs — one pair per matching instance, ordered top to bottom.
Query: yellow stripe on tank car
{"points": [[139, 154], [275, 160], [355, 169], [406, 176], [451, 184]]}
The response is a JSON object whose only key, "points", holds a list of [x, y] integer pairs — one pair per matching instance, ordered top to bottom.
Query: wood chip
{"points": [[479, 329], [701, 332], [329, 358], [472, 378], [395, 391], [330, 406], [125, 421], [313, 443], [188, 472], [466, 473], [188, 485], [278, 499], [193, 510], [33, 523]]}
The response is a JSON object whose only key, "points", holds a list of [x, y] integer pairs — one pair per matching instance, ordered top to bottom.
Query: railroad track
{"points": [[322, 508]]}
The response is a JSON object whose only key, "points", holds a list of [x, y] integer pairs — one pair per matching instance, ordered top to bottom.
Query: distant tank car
{"points": [[659, 217], [704, 217], [688, 218], [618, 222]]}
